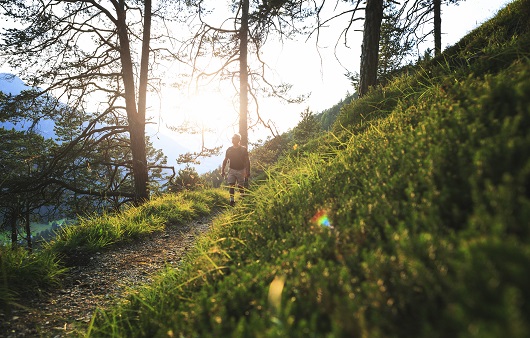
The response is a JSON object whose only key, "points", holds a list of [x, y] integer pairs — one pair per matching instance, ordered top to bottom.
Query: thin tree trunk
{"points": [[437, 27], [370, 47], [243, 75], [135, 118], [143, 193], [13, 220], [28, 229]]}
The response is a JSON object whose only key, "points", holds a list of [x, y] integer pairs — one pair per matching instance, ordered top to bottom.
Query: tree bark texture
{"points": [[437, 27], [370, 47], [135, 115], [13, 225], [27, 227]]}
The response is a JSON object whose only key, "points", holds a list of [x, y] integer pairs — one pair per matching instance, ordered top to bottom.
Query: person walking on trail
{"points": [[238, 167]]}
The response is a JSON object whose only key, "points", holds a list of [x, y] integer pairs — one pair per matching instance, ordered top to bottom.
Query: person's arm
{"points": [[247, 165], [223, 166]]}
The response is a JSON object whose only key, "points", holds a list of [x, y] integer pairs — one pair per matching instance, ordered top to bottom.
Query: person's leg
{"points": [[231, 180], [240, 181], [231, 190]]}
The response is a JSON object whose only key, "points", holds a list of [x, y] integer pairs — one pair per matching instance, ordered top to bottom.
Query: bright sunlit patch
{"points": [[209, 108], [193, 120], [321, 218], [275, 293]]}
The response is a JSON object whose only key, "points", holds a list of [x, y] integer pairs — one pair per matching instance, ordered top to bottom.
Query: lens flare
{"points": [[321, 218]]}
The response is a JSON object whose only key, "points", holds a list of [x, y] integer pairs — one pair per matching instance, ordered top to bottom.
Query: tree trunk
{"points": [[437, 27], [370, 47], [243, 74], [135, 117], [143, 192], [13, 220], [27, 226]]}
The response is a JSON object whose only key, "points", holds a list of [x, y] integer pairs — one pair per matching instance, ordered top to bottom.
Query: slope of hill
{"points": [[10, 84], [13, 85], [409, 219]]}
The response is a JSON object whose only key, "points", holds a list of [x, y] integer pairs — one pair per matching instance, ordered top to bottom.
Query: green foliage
{"points": [[328, 116], [307, 129], [266, 154], [73, 170], [187, 179], [213, 179], [425, 184], [24, 272]]}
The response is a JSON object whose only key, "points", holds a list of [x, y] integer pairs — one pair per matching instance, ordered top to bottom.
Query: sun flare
{"points": [[208, 109], [211, 109]]}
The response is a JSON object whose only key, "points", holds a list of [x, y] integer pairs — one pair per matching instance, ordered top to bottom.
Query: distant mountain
{"points": [[11, 84], [172, 148]]}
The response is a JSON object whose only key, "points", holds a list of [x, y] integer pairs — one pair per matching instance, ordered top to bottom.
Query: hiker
{"points": [[238, 167]]}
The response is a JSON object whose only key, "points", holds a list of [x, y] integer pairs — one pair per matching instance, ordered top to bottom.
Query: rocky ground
{"points": [[97, 282]]}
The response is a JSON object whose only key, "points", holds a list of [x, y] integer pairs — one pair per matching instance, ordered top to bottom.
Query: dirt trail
{"points": [[101, 279]]}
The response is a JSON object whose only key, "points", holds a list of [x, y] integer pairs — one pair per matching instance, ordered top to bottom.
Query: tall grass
{"points": [[425, 185], [94, 233], [22, 272]]}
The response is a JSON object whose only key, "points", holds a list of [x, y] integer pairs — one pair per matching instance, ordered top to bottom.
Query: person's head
{"points": [[236, 139]]}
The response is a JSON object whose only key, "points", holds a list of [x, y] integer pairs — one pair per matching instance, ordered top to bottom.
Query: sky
{"points": [[311, 71]]}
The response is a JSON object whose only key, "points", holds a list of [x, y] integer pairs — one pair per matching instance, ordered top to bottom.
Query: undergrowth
{"points": [[22, 272]]}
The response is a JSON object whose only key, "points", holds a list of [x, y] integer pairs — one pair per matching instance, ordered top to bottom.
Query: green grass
{"points": [[426, 183], [94, 233], [22, 272]]}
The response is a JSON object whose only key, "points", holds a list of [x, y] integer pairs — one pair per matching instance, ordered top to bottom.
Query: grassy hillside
{"points": [[423, 193], [410, 219]]}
